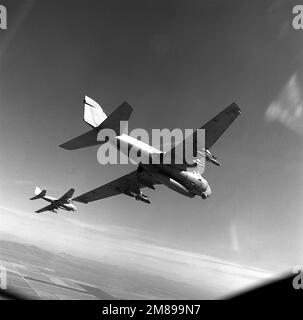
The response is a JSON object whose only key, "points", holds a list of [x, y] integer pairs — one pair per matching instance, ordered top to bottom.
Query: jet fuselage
{"points": [[187, 183], [68, 205]]}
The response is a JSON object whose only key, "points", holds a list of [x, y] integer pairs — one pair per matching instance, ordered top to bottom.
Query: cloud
{"points": [[288, 107], [130, 249]]}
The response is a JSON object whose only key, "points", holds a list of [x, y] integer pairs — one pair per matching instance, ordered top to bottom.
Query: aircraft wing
{"points": [[218, 125], [213, 131], [124, 184], [67, 195], [50, 207]]}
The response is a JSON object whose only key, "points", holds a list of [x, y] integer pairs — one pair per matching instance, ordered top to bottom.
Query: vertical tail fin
{"points": [[93, 113], [38, 194]]}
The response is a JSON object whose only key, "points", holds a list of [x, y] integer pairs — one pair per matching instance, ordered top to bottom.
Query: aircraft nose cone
{"points": [[204, 184], [205, 188], [206, 193]]}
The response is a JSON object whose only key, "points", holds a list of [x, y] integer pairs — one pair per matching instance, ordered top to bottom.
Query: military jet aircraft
{"points": [[178, 177], [64, 202]]}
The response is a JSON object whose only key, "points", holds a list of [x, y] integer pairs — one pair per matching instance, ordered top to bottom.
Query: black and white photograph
{"points": [[150, 151]]}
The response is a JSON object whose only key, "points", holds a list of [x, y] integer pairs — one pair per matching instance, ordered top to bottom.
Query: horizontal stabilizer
{"points": [[122, 113], [88, 139], [38, 194]]}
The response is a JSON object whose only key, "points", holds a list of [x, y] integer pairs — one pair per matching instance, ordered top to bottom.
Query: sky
{"points": [[178, 64]]}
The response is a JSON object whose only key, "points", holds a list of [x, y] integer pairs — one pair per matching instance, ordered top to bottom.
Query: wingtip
{"points": [[126, 104], [235, 108], [64, 146]]}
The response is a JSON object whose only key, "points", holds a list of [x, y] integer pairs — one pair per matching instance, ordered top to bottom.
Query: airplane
{"points": [[178, 177], [64, 202]]}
